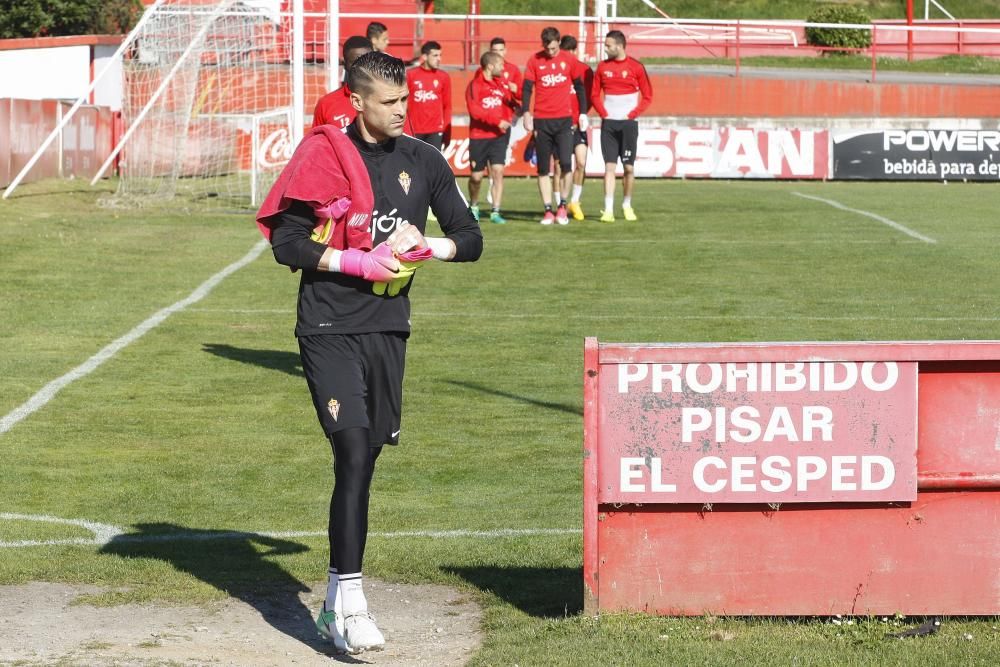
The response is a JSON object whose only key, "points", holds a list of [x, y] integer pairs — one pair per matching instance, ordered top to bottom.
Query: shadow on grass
{"points": [[532, 215], [279, 360], [562, 407], [237, 563], [543, 592]]}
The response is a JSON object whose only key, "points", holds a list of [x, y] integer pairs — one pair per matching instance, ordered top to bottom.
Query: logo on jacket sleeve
{"points": [[404, 181], [333, 405]]}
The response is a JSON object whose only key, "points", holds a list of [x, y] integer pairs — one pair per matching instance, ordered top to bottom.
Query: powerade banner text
{"points": [[920, 155], [754, 432]]}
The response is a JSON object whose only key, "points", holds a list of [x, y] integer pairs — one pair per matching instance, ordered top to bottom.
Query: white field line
{"points": [[874, 216], [703, 239], [418, 314], [766, 318], [48, 392], [103, 534]]}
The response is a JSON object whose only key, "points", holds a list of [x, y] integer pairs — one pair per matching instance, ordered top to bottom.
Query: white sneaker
{"points": [[331, 625], [361, 633]]}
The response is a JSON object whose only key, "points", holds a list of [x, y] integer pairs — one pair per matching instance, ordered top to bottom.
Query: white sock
{"points": [[577, 191], [626, 202], [609, 203], [332, 590], [351, 593]]}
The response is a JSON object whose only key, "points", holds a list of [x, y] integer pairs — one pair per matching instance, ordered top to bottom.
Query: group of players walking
{"points": [[551, 98]]}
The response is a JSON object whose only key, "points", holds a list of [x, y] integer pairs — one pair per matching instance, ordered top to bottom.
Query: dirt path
{"points": [[423, 625]]}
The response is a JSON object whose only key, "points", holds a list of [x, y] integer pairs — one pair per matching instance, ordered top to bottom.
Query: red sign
{"points": [[663, 151], [669, 151], [728, 152], [758, 432]]}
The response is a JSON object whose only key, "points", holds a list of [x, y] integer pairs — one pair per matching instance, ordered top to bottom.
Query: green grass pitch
{"points": [[204, 423]]}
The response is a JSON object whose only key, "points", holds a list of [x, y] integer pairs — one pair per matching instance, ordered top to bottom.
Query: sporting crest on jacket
{"points": [[404, 181]]}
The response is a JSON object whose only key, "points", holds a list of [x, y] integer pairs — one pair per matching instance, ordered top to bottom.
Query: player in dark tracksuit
{"points": [[352, 339]]}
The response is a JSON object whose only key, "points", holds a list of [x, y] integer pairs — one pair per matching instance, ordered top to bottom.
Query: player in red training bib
{"points": [[582, 71], [549, 77], [620, 93], [430, 98], [335, 108]]}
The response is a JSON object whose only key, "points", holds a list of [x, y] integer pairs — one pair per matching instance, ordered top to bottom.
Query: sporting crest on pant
{"points": [[404, 180], [333, 405]]}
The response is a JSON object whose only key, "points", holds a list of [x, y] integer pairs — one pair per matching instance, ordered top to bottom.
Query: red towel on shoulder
{"points": [[327, 172]]}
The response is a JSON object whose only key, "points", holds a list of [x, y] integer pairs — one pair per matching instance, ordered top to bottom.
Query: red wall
{"points": [[726, 96], [25, 124]]}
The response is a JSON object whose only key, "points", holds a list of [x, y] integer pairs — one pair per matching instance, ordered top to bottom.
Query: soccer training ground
{"points": [[149, 381]]}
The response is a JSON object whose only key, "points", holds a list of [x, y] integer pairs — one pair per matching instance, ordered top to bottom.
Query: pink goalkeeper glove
{"points": [[333, 210], [416, 255], [409, 261], [378, 265]]}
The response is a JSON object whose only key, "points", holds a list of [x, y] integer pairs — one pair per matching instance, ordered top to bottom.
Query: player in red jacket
{"points": [[378, 34], [550, 70], [582, 71], [511, 73], [514, 79], [626, 94], [491, 106], [335, 108], [429, 111]]}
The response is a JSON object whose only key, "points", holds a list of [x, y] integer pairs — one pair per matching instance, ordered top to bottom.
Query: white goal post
{"points": [[205, 81]]}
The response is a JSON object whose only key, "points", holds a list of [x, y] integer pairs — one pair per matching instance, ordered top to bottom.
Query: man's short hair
{"points": [[375, 29], [550, 34], [618, 36], [497, 41], [355, 42], [430, 46], [490, 58], [375, 65]]}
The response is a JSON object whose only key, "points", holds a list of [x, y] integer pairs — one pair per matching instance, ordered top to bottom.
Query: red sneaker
{"points": [[562, 217]]}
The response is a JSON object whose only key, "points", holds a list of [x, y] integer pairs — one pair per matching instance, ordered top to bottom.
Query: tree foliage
{"points": [[56, 18]]}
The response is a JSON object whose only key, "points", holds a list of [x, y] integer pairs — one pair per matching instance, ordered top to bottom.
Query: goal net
{"points": [[204, 82]]}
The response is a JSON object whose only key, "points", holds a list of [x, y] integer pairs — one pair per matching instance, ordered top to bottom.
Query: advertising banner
{"points": [[31, 121], [86, 141], [663, 151], [673, 151], [917, 154], [5, 174], [758, 432]]}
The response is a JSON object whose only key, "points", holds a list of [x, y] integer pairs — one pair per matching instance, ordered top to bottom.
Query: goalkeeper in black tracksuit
{"points": [[352, 332]]}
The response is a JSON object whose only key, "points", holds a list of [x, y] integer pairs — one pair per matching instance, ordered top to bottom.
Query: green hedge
{"points": [[841, 39]]}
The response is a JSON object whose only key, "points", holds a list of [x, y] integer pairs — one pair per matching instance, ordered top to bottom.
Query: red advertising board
{"points": [[31, 121], [86, 140], [663, 151], [677, 151], [5, 174], [683, 514]]}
